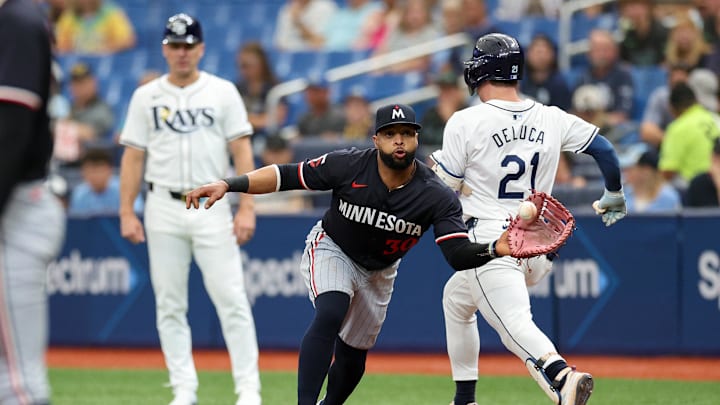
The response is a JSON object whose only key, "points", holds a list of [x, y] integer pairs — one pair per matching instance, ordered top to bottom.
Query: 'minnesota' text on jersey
{"points": [[375, 226]]}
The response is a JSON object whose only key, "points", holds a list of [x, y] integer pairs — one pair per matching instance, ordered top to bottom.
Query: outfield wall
{"points": [[648, 285]]}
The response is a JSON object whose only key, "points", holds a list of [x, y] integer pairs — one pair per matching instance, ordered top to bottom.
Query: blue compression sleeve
{"points": [[604, 154]]}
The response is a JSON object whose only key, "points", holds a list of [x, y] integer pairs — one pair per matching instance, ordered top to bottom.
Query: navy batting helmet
{"points": [[182, 29], [496, 57]]}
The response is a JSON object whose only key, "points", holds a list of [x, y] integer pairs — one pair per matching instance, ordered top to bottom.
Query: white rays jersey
{"points": [[185, 130], [504, 150]]}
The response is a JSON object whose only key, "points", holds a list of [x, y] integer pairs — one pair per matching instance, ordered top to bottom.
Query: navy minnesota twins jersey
{"points": [[25, 60], [375, 226]]}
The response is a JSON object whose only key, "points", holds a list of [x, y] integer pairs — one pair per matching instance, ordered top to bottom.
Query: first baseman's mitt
{"points": [[545, 233]]}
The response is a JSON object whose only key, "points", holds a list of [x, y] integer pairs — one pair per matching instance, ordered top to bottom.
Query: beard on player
{"points": [[397, 163]]}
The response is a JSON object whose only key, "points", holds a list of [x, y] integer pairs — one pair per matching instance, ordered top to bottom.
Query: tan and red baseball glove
{"points": [[544, 233]]}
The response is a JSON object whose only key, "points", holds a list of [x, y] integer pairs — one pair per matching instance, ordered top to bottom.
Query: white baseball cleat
{"points": [[577, 388], [184, 397], [249, 398]]}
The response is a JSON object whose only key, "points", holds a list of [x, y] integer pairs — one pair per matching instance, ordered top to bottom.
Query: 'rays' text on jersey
{"points": [[182, 121], [524, 133], [378, 219]]}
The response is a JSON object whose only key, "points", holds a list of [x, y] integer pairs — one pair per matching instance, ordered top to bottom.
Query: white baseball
{"points": [[527, 210]]}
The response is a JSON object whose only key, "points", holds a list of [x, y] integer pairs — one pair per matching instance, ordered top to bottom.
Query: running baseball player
{"points": [[183, 124], [494, 154], [383, 200], [32, 221]]}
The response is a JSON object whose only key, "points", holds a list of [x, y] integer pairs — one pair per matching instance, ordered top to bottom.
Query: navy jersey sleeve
{"points": [[25, 142], [327, 171], [448, 223]]}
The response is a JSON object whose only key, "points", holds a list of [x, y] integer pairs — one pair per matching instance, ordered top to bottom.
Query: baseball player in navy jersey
{"points": [[182, 126], [494, 154], [383, 200], [32, 222]]}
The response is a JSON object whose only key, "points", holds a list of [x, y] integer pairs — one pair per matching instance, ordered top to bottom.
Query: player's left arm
{"points": [[612, 203], [244, 222], [452, 237], [462, 254]]}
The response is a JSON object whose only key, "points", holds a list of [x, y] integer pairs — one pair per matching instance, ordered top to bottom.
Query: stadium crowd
{"points": [[648, 80]]}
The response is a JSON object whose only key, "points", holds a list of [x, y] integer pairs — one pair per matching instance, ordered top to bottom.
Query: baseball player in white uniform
{"points": [[182, 125], [494, 154]]}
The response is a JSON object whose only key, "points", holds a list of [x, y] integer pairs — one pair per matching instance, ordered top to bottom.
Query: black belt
{"points": [[174, 194], [470, 223]]}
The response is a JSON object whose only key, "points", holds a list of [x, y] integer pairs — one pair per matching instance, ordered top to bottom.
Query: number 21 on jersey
{"points": [[516, 161]]}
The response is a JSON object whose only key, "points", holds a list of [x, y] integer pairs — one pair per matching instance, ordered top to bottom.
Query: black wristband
{"points": [[239, 184]]}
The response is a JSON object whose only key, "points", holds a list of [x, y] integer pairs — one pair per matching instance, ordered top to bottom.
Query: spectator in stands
{"points": [[54, 9], [516, 10], [709, 12], [477, 20], [450, 21], [383, 23], [476, 23], [300, 24], [351, 25], [93, 27], [415, 28], [645, 37], [686, 45], [606, 71], [256, 80], [543, 82], [704, 84], [451, 98], [590, 102], [89, 110], [657, 115], [358, 117], [322, 118], [91, 119], [689, 139], [277, 150], [565, 175], [645, 188], [704, 189], [99, 192]]}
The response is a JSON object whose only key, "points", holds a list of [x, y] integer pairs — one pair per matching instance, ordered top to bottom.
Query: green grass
{"points": [[131, 387]]}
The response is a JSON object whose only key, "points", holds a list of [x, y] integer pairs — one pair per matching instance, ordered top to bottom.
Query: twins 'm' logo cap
{"points": [[182, 29], [395, 114]]}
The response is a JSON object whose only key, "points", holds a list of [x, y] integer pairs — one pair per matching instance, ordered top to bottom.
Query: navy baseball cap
{"points": [[182, 29], [395, 114]]}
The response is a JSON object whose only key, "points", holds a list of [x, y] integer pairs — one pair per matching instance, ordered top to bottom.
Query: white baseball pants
{"points": [[31, 233], [174, 236], [325, 267], [499, 292]]}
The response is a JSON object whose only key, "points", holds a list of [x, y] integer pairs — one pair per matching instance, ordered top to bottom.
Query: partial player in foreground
{"points": [[493, 154], [383, 200], [32, 220]]}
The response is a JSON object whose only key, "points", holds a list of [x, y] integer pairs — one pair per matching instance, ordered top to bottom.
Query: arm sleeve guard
{"points": [[604, 154], [290, 176], [451, 180], [462, 254]]}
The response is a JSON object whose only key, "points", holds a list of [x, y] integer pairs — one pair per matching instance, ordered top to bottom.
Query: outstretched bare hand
{"points": [[213, 191], [502, 248]]}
